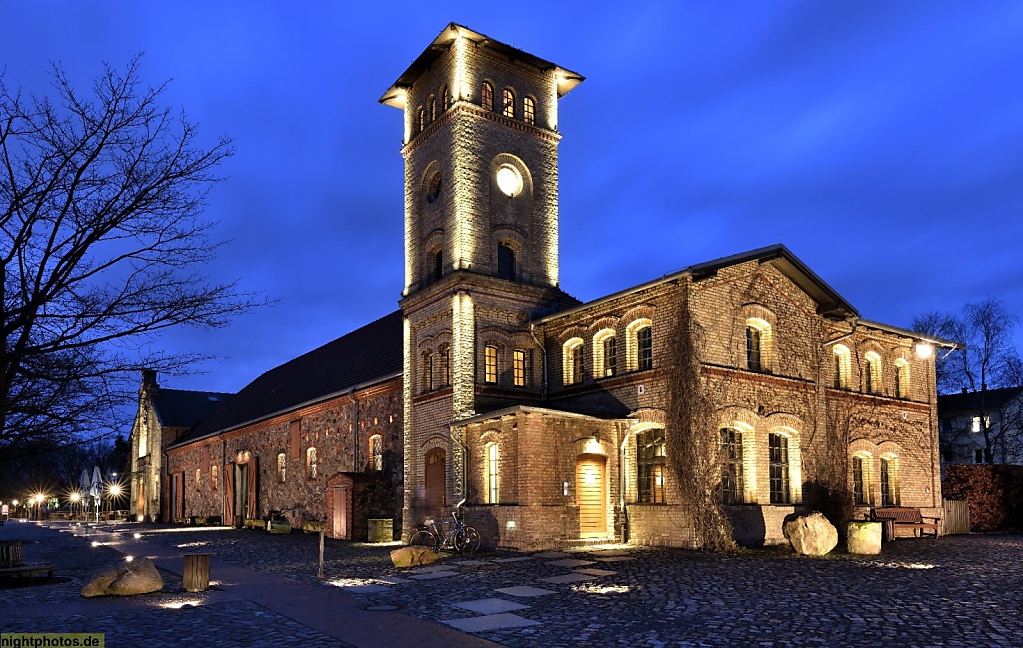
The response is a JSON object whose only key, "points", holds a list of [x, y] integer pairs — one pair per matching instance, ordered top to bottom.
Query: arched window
{"points": [[487, 96], [445, 98], [508, 103], [432, 109], [528, 110], [420, 119], [505, 262], [438, 265], [758, 344], [639, 345], [605, 352], [841, 357], [572, 361], [490, 365], [445, 366], [519, 368], [427, 371], [872, 373], [901, 378], [376, 452], [650, 457], [310, 463], [282, 464], [778, 464], [861, 465], [492, 474], [213, 476], [198, 477], [889, 480], [732, 484]]}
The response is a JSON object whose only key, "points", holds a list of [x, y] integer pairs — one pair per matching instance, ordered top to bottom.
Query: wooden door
{"points": [[435, 480], [590, 497], [339, 519]]}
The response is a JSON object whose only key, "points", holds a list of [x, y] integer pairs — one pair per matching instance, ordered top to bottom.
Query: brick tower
{"points": [[481, 244]]}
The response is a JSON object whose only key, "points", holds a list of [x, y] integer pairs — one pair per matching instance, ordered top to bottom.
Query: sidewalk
{"points": [[326, 611]]}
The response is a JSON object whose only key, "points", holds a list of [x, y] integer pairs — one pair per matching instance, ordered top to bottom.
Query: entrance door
{"points": [[435, 480], [241, 494], [589, 496], [140, 503], [340, 513]]}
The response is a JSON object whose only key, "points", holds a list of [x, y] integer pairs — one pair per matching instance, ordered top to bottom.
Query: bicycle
{"points": [[461, 538]]}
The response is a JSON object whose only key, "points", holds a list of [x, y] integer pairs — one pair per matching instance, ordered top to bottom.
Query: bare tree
{"points": [[101, 199], [988, 371]]}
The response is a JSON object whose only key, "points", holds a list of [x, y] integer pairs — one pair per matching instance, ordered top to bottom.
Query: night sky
{"points": [[882, 142]]}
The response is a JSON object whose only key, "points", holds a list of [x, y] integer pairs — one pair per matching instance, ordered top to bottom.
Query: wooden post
{"points": [[196, 575], [320, 575]]}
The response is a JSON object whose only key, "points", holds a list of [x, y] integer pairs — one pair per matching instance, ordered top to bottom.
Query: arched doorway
{"points": [[436, 480], [590, 495]]}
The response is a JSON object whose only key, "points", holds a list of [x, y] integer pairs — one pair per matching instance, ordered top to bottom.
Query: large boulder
{"points": [[811, 535], [864, 538], [413, 556], [138, 577]]}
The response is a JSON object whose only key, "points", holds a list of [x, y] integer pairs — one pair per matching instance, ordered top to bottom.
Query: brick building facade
{"points": [[552, 420]]}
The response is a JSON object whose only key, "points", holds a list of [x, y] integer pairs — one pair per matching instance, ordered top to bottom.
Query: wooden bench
{"points": [[903, 517], [11, 564]]}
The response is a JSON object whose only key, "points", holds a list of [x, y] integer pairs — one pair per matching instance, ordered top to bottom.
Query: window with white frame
{"points": [[604, 353], [572, 361], [490, 364], [842, 366], [519, 368], [872, 373], [901, 378], [492, 474]]}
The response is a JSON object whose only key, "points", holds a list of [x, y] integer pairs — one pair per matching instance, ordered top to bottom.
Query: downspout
{"points": [[855, 321], [543, 362], [621, 484]]}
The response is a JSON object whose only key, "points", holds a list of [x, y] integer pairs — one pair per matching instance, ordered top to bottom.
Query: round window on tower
{"points": [[509, 180], [433, 188]]}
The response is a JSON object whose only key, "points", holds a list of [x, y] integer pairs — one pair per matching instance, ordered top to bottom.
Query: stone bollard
{"points": [[864, 538]]}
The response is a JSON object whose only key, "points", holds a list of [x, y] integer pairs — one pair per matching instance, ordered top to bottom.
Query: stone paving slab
{"points": [[552, 554], [614, 558], [513, 560], [570, 562], [595, 572], [434, 575], [567, 578], [525, 591], [490, 606], [490, 622]]}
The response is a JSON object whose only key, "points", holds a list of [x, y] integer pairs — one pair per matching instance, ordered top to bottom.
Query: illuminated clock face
{"points": [[509, 181]]}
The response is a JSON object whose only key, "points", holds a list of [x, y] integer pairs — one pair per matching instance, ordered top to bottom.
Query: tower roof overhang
{"points": [[395, 95]]}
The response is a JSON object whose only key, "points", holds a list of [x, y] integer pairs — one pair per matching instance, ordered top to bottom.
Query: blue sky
{"points": [[881, 142]]}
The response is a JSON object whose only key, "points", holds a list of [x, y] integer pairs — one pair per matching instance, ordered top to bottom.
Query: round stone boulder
{"points": [[811, 535], [864, 538], [413, 556], [139, 577]]}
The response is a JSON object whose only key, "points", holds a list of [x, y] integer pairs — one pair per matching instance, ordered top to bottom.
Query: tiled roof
{"points": [[364, 356], [988, 399], [182, 409]]}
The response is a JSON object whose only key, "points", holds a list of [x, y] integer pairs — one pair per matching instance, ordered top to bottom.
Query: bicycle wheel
{"points": [[423, 539], [467, 540]]}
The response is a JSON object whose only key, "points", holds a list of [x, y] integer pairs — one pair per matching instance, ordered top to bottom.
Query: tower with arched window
{"points": [[481, 241]]}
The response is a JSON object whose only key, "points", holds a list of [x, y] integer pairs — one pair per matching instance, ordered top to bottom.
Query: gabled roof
{"points": [[395, 95], [829, 302], [363, 357], [988, 400], [180, 408]]}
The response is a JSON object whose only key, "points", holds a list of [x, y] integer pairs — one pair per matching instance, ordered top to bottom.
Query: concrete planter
{"points": [[864, 538]]}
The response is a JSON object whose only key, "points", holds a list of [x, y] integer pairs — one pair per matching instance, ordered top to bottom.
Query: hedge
{"points": [[995, 494]]}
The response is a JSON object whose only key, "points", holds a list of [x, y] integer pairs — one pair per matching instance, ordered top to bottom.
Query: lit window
{"points": [[445, 95], [487, 96], [508, 103], [433, 109], [528, 110], [421, 118], [505, 262], [758, 344], [645, 348], [604, 353], [572, 361], [490, 365], [445, 366], [841, 366], [519, 368], [427, 371], [872, 373], [901, 378], [976, 425], [376, 452], [778, 459], [282, 463], [310, 463], [650, 466], [492, 473], [213, 476], [198, 477], [861, 479], [889, 481], [732, 487]]}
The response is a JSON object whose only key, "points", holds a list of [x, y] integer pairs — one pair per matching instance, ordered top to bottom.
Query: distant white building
{"points": [[982, 427]]}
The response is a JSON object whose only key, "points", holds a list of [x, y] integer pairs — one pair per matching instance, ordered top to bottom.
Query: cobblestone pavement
{"points": [[955, 591]]}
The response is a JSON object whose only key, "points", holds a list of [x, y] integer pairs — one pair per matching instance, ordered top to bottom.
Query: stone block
{"points": [[811, 535], [864, 538]]}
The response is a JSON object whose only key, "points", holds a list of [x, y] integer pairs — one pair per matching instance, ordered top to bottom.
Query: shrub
{"points": [[995, 494]]}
